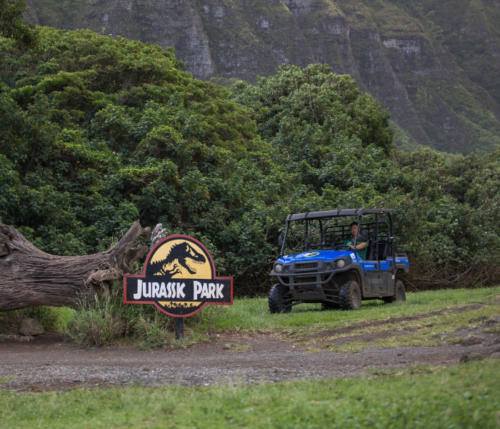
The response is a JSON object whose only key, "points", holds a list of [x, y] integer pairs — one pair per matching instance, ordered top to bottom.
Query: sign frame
{"points": [[143, 275]]}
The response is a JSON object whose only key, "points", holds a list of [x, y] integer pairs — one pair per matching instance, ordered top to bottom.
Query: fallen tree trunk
{"points": [[29, 276]]}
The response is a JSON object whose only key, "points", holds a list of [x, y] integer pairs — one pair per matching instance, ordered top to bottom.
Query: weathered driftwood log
{"points": [[29, 276]]}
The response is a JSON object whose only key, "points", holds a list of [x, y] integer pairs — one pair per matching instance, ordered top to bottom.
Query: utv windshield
{"points": [[314, 234]]}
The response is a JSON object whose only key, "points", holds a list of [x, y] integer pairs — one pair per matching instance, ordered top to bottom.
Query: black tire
{"points": [[399, 293], [350, 295], [280, 299]]}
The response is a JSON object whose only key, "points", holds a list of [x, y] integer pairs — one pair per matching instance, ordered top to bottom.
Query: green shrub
{"points": [[53, 319], [102, 319], [97, 322], [152, 332]]}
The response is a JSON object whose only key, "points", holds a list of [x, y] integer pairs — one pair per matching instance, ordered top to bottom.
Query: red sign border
{"points": [[143, 274]]}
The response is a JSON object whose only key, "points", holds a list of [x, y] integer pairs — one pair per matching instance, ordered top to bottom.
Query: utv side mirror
{"points": [[281, 238]]}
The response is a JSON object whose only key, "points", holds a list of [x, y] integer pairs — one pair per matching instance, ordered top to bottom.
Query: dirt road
{"points": [[49, 363]]}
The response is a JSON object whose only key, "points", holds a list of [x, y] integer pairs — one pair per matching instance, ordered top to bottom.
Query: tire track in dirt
{"points": [[393, 320]]}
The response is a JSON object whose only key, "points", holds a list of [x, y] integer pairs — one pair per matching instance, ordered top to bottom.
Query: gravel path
{"points": [[48, 363]]}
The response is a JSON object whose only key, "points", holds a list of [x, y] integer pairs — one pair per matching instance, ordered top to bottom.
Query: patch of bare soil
{"points": [[49, 363]]}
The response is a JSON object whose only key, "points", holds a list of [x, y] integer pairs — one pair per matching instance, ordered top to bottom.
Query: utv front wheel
{"points": [[399, 293], [350, 296], [280, 300]]}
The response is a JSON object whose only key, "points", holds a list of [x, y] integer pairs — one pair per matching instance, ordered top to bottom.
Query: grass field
{"points": [[249, 314], [422, 321], [466, 395], [463, 396]]}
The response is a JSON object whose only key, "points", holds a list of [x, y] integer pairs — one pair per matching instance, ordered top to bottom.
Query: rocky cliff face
{"points": [[435, 64]]}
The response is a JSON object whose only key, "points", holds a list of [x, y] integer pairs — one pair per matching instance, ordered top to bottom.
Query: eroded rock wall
{"points": [[419, 58]]}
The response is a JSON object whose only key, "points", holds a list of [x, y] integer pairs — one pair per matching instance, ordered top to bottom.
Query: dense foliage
{"points": [[12, 24], [96, 132], [337, 144]]}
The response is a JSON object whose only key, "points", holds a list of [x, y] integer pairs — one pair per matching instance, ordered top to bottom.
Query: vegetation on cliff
{"points": [[432, 63]]}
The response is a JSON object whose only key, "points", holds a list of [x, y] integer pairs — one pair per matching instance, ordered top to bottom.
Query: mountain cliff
{"points": [[435, 64]]}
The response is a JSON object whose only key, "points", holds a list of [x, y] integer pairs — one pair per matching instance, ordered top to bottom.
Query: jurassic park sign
{"points": [[178, 278]]}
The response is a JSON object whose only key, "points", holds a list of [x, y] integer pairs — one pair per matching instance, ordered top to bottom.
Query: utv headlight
{"points": [[340, 263], [278, 268]]}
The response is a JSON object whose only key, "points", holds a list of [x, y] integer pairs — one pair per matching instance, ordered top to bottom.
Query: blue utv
{"points": [[322, 262]]}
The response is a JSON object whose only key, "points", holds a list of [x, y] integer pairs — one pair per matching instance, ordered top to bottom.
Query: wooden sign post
{"points": [[179, 279]]}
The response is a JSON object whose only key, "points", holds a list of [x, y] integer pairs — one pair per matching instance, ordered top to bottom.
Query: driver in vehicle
{"points": [[358, 241]]}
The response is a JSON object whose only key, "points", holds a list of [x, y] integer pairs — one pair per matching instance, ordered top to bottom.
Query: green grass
{"points": [[252, 314], [249, 315], [441, 315], [428, 331], [4, 379], [463, 396]]}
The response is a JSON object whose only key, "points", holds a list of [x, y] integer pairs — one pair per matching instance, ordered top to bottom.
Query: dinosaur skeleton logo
{"points": [[178, 259], [179, 278]]}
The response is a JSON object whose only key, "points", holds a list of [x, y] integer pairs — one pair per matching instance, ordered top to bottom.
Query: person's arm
{"points": [[360, 243], [361, 246]]}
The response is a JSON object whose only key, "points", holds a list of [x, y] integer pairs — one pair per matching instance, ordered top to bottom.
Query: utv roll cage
{"points": [[378, 232]]}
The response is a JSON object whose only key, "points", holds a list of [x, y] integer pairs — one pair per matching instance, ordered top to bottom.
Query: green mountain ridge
{"points": [[434, 64]]}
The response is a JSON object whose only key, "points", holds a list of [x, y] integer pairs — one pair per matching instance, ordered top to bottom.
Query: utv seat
{"points": [[378, 250]]}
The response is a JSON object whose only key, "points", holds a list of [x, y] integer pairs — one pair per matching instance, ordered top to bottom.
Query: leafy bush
{"points": [[12, 24], [97, 132]]}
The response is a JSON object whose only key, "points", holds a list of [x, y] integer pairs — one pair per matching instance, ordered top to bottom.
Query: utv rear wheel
{"points": [[399, 293], [350, 296], [280, 299]]}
